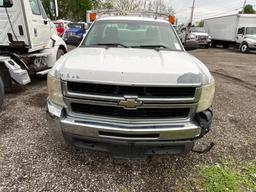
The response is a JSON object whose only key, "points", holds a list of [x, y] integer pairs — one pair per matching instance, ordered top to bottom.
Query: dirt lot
{"points": [[30, 160]]}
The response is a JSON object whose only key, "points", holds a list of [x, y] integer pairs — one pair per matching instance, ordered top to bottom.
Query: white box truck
{"points": [[233, 30]]}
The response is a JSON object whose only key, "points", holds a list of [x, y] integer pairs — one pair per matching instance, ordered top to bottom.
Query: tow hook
{"points": [[204, 120], [205, 149]]}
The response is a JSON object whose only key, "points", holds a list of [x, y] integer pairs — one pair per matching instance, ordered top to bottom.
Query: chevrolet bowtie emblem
{"points": [[131, 103]]}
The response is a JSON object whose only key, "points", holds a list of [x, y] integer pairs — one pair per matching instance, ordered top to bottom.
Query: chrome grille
{"points": [[202, 38], [117, 90], [161, 103], [119, 112]]}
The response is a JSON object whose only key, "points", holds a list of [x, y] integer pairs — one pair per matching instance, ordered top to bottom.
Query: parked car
{"points": [[75, 30], [237, 30], [197, 34], [203, 38], [130, 89]]}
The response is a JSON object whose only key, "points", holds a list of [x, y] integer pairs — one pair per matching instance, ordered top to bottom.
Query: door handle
{"points": [[45, 22]]}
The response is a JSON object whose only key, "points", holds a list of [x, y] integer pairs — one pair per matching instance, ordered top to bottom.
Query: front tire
{"points": [[213, 44], [244, 48], [1, 92]]}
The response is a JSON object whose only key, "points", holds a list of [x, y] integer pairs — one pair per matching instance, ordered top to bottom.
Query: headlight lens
{"points": [[191, 37], [54, 90], [207, 96]]}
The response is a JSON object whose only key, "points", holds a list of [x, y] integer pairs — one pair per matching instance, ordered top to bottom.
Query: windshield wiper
{"points": [[108, 45], [150, 46], [156, 47]]}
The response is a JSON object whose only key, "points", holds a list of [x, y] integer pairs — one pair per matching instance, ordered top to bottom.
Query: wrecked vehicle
{"points": [[130, 89]]}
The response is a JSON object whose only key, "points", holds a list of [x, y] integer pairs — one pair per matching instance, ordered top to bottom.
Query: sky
{"points": [[206, 8]]}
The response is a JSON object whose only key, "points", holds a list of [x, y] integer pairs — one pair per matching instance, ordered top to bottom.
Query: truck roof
{"points": [[238, 15], [132, 18]]}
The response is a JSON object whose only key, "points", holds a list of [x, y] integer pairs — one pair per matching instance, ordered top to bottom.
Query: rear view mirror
{"points": [[6, 3], [54, 8], [190, 45]]}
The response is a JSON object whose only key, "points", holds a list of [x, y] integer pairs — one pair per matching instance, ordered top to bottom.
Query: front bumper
{"points": [[204, 42], [122, 139]]}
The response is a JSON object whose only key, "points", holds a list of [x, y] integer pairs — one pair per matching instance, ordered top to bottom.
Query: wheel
{"points": [[213, 44], [244, 48], [60, 53], [5, 77], [1, 92]]}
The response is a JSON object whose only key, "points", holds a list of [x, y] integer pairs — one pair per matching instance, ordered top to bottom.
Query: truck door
{"points": [[41, 25], [240, 35]]}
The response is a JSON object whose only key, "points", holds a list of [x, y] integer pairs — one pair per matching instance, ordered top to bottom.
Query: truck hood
{"points": [[251, 37], [129, 66]]}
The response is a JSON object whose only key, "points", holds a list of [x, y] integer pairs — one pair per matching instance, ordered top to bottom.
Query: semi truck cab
{"points": [[246, 38], [29, 44]]}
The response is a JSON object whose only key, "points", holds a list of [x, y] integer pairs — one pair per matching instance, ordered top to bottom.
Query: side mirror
{"points": [[6, 3], [54, 8], [86, 26], [190, 45]]}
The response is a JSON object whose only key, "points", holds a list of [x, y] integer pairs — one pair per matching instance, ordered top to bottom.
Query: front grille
{"points": [[202, 38], [142, 91], [119, 112]]}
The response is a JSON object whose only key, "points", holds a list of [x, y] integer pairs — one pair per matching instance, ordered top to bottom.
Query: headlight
{"points": [[191, 37], [54, 90], [207, 96]]}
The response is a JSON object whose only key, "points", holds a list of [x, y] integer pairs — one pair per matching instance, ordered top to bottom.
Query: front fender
{"points": [[58, 41], [251, 42], [52, 50]]}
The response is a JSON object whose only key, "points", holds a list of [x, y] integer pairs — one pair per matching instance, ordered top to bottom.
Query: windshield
{"points": [[75, 25], [198, 29], [251, 30], [141, 34]]}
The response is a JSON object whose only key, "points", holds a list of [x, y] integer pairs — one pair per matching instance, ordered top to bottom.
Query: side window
{"points": [[35, 7], [42, 10], [241, 31]]}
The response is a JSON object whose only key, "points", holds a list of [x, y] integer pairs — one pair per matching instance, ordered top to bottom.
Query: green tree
{"points": [[71, 9], [249, 9], [200, 24]]}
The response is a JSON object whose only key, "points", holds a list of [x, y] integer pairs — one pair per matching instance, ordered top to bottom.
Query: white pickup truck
{"points": [[130, 89]]}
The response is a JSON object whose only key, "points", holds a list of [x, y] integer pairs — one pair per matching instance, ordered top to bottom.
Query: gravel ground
{"points": [[30, 160]]}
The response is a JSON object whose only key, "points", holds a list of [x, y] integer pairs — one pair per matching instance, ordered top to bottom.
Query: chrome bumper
{"points": [[128, 132]]}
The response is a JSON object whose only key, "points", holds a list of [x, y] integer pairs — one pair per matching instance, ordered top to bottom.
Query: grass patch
{"points": [[229, 176]]}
